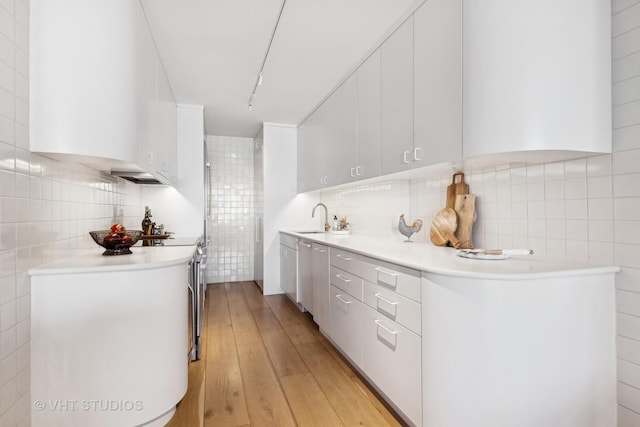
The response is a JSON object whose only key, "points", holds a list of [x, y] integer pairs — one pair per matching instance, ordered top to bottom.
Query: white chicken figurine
{"points": [[406, 230]]}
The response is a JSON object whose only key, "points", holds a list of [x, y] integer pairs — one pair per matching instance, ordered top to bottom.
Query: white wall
{"points": [[283, 208]]}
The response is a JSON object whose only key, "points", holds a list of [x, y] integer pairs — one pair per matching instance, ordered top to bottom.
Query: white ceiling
{"points": [[212, 51]]}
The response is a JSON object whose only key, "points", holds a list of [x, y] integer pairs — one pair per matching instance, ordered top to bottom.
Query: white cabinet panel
{"points": [[396, 71], [537, 76], [437, 122], [367, 162], [305, 270], [288, 272], [320, 281], [346, 281], [396, 307], [346, 324], [392, 358]]}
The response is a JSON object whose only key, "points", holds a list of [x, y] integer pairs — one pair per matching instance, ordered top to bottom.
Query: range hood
{"points": [[138, 177]]}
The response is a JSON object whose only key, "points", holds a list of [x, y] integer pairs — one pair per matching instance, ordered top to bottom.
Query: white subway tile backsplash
{"points": [[618, 6], [625, 44], [626, 91], [626, 114], [626, 138], [626, 162], [574, 169], [599, 186], [626, 208], [576, 209], [600, 209], [628, 279], [627, 417]]}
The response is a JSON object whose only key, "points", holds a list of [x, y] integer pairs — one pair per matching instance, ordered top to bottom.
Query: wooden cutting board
{"points": [[457, 188], [465, 208], [443, 227]]}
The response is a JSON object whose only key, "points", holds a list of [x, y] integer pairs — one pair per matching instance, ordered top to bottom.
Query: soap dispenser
{"points": [[336, 224]]}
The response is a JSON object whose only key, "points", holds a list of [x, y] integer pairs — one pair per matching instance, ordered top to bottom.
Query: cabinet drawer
{"points": [[288, 241], [402, 280], [347, 282], [395, 306], [346, 324], [392, 360]]}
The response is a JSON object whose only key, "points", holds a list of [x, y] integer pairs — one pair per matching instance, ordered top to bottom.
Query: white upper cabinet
{"points": [[537, 76], [83, 78], [437, 80], [396, 85], [98, 89], [368, 119]]}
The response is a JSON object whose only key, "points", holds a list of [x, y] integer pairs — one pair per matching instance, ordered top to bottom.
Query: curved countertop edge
{"points": [[431, 259], [92, 261]]}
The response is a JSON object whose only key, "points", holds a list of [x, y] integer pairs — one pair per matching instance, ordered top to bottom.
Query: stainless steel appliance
{"points": [[197, 288]]}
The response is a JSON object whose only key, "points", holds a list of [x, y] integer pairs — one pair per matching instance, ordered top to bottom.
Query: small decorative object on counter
{"points": [[466, 210], [336, 224], [343, 224], [147, 225], [443, 227], [407, 230], [117, 240]]}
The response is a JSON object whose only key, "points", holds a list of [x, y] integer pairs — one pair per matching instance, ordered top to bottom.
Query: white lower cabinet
{"points": [[320, 284], [305, 285], [346, 324], [392, 360]]}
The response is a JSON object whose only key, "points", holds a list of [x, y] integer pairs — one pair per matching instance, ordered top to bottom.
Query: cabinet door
{"points": [[396, 72], [437, 82], [147, 94], [368, 118], [166, 142], [344, 145], [305, 160], [288, 274], [320, 283], [305, 285], [346, 324], [392, 359]]}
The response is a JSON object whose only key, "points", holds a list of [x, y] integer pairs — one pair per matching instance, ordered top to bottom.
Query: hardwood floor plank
{"points": [[253, 294], [265, 319], [291, 319], [284, 357], [266, 364], [224, 399], [266, 402], [308, 403], [350, 403]]}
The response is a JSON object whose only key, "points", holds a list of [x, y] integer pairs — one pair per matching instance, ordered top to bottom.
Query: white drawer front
{"points": [[288, 240], [402, 280], [347, 282], [395, 306], [346, 324], [392, 359]]}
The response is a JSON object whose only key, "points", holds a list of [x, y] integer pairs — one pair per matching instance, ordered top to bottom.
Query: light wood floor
{"points": [[266, 364]]}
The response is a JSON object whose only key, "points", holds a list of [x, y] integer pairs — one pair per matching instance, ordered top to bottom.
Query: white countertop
{"points": [[92, 260], [443, 260]]}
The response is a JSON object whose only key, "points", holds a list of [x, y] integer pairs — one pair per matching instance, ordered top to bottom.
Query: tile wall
{"points": [[46, 207], [586, 209], [232, 216]]}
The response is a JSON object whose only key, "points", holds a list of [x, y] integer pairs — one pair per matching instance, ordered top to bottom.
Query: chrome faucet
{"points": [[327, 227]]}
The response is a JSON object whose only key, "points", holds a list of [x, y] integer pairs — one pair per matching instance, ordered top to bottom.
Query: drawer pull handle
{"points": [[306, 245], [319, 250], [346, 258], [382, 270], [344, 279], [339, 296], [383, 299], [379, 323]]}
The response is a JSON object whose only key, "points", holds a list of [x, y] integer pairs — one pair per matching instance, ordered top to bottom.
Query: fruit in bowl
{"points": [[116, 242]]}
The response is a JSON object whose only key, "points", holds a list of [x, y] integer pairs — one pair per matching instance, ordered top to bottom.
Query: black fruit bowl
{"points": [[116, 246]]}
